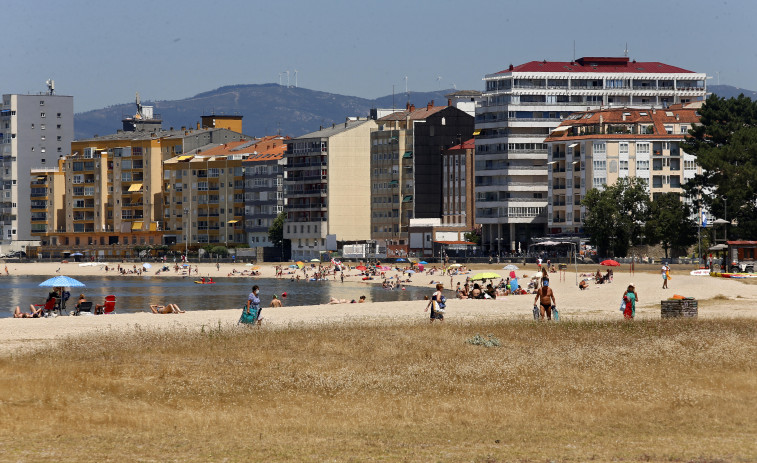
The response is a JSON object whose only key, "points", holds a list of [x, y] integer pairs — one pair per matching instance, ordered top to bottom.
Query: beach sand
{"points": [[717, 298]]}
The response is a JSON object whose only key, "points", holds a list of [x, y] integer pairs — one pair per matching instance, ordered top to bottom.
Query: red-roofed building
{"points": [[524, 103], [592, 149], [228, 193]]}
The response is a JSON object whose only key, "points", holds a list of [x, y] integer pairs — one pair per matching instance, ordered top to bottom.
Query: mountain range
{"points": [[271, 108], [267, 109]]}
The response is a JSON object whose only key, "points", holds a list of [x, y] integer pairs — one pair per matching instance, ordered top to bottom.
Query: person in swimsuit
{"points": [[546, 299]]}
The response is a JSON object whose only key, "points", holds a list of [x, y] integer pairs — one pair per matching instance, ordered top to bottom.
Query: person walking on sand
{"points": [[665, 275], [629, 298], [546, 299], [436, 302], [251, 311]]}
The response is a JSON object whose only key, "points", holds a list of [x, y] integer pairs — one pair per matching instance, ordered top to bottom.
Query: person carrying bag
{"points": [[251, 311]]}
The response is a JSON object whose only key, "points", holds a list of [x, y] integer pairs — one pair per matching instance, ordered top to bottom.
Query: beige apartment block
{"points": [[593, 149], [328, 188], [47, 194]]}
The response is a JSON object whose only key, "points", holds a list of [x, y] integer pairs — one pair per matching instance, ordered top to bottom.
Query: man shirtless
{"points": [[546, 299]]}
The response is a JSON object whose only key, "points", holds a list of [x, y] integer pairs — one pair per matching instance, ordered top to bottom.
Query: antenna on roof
{"points": [[574, 51], [625, 52], [50, 86]]}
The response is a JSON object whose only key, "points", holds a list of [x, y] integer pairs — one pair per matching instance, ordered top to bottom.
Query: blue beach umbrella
{"points": [[401, 260], [423, 262], [62, 281]]}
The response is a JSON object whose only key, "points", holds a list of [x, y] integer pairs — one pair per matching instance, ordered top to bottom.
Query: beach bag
{"points": [[623, 303], [443, 304], [438, 308], [536, 313], [555, 314], [249, 318]]}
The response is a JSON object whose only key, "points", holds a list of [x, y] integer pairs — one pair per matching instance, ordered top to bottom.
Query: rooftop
{"points": [[592, 64], [412, 113], [658, 118], [335, 129], [466, 145], [268, 148]]}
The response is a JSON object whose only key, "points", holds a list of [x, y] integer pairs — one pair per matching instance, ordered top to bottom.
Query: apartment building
{"points": [[523, 104], [35, 130], [591, 149], [407, 169], [264, 188], [327, 188], [114, 194], [47, 196], [203, 200]]}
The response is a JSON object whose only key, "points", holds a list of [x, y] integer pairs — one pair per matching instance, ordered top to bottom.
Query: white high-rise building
{"points": [[523, 104], [35, 130]]}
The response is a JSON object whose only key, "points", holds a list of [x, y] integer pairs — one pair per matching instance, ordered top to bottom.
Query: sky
{"points": [[103, 51]]}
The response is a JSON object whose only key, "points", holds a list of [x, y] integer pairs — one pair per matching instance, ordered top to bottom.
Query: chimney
{"points": [[449, 101], [430, 105], [407, 106], [412, 108], [678, 117], [601, 120], [198, 126], [183, 127], [171, 129]]}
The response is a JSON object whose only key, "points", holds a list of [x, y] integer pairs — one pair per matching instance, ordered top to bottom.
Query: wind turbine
{"points": [[287, 71]]}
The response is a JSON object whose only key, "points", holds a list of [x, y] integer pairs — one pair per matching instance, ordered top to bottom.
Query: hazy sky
{"points": [[102, 51]]}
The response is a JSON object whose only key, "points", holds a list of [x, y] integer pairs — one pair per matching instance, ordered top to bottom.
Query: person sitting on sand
{"points": [[583, 285], [476, 292], [334, 300], [361, 300], [275, 302], [166, 309], [35, 313]]}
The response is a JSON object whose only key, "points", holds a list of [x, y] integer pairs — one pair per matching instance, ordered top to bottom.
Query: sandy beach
{"points": [[717, 298]]}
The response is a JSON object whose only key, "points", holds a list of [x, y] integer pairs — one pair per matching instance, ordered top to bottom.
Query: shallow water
{"points": [[135, 294]]}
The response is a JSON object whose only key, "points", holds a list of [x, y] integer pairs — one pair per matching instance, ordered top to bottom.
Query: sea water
{"points": [[135, 294]]}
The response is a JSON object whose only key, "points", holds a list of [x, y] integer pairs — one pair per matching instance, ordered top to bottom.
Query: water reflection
{"points": [[135, 294]]}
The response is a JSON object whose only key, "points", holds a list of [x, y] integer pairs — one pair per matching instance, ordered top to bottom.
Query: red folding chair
{"points": [[110, 305], [48, 307]]}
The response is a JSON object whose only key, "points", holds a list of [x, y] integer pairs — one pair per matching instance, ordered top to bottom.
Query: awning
{"points": [[562, 128], [476, 132], [573, 145], [408, 154], [184, 158], [394, 182], [135, 187], [407, 199], [233, 221], [136, 226], [153, 226]]}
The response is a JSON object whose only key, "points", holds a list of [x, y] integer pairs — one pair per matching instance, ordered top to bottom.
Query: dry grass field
{"points": [[670, 390]]}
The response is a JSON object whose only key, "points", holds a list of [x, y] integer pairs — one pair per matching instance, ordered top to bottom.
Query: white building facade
{"points": [[523, 104], [35, 130]]}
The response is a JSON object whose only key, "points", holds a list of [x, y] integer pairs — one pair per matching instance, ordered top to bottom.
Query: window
{"points": [[41, 102], [41, 114], [58, 115], [42, 126], [599, 147], [623, 148], [642, 148], [600, 165], [642, 165], [599, 181]]}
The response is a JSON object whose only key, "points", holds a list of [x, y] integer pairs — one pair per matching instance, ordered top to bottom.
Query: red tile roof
{"points": [[596, 65], [658, 118], [466, 145]]}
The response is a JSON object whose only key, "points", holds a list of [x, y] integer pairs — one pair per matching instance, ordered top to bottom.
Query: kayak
{"points": [[205, 282]]}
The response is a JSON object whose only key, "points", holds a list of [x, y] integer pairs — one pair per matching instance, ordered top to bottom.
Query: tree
{"points": [[725, 144], [615, 216], [670, 223], [276, 231], [473, 237]]}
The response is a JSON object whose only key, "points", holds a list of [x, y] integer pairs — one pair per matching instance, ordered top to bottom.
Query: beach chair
{"points": [[110, 305], [84, 307], [48, 308]]}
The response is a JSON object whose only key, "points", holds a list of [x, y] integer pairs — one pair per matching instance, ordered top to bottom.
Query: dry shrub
{"points": [[650, 390]]}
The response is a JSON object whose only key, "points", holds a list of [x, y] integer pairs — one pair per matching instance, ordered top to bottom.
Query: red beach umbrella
{"points": [[610, 263]]}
